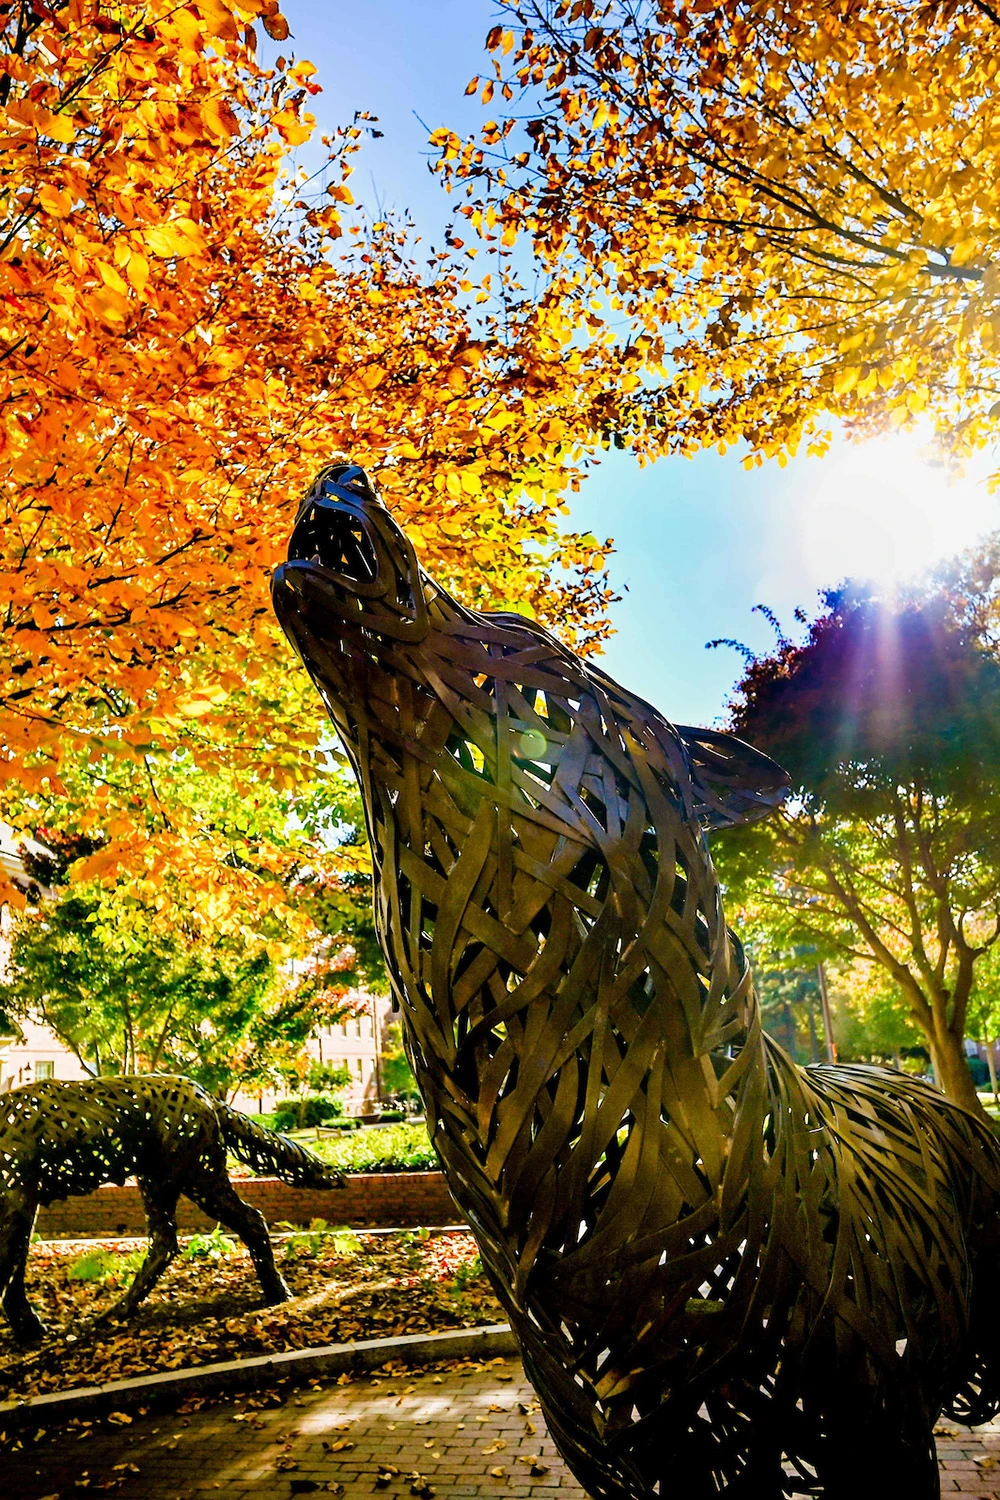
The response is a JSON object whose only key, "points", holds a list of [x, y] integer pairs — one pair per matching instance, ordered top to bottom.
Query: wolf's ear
{"points": [[733, 783]]}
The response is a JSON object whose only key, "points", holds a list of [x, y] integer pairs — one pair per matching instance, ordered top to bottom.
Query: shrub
{"points": [[980, 1072], [306, 1110], [380, 1148], [307, 1244], [213, 1246], [92, 1265], [105, 1265], [465, 1273]]}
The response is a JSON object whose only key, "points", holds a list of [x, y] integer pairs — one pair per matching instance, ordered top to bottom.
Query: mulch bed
{"points": [[208, 1309]]}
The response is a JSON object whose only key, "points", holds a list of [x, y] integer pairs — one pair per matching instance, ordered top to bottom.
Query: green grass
{"points": [[378, 1148]]}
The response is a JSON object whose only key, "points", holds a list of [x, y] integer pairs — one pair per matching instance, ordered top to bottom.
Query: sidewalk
{"points": [[466, 1433]]}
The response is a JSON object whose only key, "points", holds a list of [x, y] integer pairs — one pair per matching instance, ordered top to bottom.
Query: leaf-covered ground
{"points": [[208, 1307]]}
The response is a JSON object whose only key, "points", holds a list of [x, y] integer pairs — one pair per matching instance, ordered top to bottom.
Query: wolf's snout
{"points": [[333, 537], [349, 565]]}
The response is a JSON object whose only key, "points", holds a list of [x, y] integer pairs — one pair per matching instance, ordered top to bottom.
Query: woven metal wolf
{"points": [[58, 1140], [727, 1274]]}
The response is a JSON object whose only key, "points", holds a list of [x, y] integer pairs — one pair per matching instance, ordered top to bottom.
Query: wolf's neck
{"points": [[547, 900]]}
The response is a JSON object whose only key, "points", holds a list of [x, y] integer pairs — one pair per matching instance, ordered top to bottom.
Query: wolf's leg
{"points": [[214, 1193], [160, 1203], [15, 1240]]}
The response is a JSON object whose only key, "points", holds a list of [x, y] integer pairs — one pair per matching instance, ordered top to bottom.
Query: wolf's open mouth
{"points": [[329, 535]]}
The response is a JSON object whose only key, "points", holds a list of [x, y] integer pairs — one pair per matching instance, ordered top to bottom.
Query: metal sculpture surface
{"points": [[59, 1140], [727, 1273]]}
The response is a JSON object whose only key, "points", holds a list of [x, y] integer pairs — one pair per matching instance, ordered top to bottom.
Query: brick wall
{"points": [[377, 1199]]}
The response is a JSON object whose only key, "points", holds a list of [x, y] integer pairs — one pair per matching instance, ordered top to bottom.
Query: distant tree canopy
{"points": [[790, 208], [887, 717], [129, 988], [788, 990]]}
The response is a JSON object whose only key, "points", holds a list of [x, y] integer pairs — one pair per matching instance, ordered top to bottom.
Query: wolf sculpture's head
{"points": [[358, 608]]}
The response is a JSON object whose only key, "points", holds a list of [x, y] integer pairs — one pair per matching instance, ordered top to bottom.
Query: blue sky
{"points": [[699, 542]]}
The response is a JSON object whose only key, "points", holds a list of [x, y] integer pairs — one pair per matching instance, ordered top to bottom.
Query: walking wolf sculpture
{"points": [[58, 1140], [728, 1274]]}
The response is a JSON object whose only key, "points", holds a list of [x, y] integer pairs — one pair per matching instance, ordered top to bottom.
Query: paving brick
{"points": [[207, 1453]]}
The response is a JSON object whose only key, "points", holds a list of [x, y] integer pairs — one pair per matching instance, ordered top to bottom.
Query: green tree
{"points": [[887, 717], [128, 988], [790, 1003], [871, 1020], [398, 1081]]}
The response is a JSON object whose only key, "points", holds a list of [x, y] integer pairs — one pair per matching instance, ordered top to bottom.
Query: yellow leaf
{"points": [[219, 19], [188, 28], [219, 117], [60, 128], [54, 201], [179, 237], [964, 252], [137, 270], [111, 278], [110, 306], [845, 380]]}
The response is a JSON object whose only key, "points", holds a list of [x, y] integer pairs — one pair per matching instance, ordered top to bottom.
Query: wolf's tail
{"points": [[267, 1151]]}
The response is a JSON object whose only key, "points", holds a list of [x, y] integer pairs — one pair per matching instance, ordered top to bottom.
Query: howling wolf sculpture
{"points": [[58, 1140], [728, 1274]]}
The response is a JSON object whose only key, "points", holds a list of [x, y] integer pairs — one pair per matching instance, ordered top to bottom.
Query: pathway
{"points": [[467, 1432]]}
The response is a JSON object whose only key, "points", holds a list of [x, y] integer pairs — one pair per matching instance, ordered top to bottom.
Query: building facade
{"points": [[355, 1044]]}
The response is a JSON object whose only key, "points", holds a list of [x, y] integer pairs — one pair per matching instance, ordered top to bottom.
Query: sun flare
{"points": [[885, 511]]}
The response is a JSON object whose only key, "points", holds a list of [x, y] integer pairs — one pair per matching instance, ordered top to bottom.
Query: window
{"points": [[366, 1026], [44, 1070]]}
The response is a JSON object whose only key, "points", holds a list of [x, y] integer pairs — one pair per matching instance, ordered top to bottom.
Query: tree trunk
{"points": [[952, 1068]]}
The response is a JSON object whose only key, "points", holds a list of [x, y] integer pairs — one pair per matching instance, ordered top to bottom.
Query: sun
{"points": [[885, 511]]}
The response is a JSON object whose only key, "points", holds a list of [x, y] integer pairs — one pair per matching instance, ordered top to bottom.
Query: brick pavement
{"points": [[462, 1433]]}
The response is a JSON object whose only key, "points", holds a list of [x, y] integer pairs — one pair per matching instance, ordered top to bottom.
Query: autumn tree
{"points": [[789, 208], [188, 331], [887, 717], [131, 988]]}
